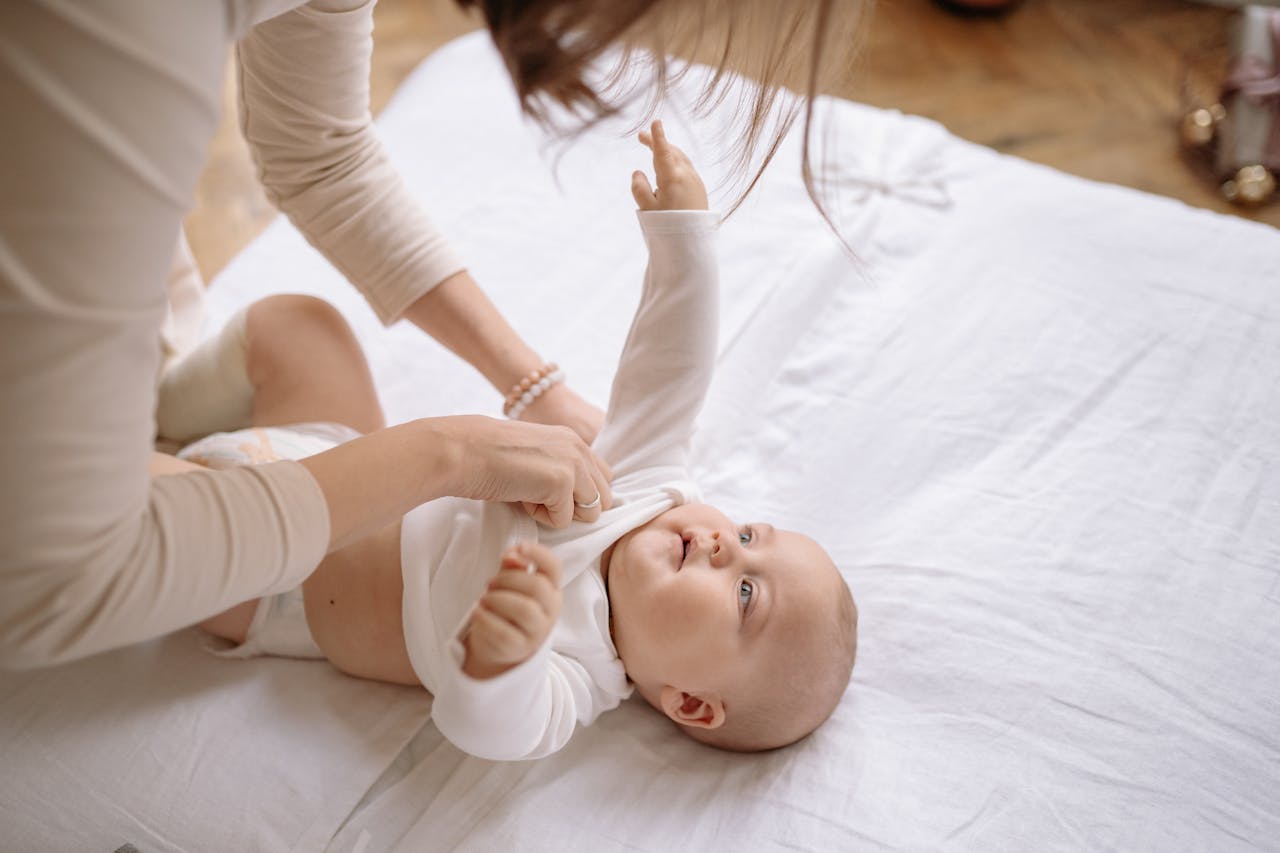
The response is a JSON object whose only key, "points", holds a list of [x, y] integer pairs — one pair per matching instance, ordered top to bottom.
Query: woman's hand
{"points": [[679, 186], [559, 404], [549, 469], [516, 613]]}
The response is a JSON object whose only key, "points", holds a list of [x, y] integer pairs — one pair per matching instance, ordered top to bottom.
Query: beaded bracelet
{"points": [[525, 384], [530, 388]]}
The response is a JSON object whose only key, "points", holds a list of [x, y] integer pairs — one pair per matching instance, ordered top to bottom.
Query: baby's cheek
{"points": [[683, 606]]}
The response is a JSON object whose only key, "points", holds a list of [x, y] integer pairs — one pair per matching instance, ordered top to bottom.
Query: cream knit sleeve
{"points": [[304, 109]]}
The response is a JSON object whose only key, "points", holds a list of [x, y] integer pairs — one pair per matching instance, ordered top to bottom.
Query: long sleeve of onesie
{"points": [[304, 109], [670, 351], [663, 374], [525, 713]]}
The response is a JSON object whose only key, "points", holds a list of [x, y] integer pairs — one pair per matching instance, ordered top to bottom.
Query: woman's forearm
{"points": [[459, 315], [373, 480]]}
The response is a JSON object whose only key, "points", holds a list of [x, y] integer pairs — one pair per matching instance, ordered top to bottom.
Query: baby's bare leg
{"points": [[306, 365]]}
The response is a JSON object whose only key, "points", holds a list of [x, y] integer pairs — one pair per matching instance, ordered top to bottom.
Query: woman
{"points": [[108, 109]]}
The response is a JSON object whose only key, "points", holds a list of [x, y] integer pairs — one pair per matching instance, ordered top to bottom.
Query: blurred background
{"points": [[1097, 88]]}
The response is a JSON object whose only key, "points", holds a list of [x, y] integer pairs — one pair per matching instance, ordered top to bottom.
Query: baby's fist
{"points": [[516, 613]]}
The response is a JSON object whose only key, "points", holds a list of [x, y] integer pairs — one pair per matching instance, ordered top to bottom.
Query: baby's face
{"points": [[703, 604]]}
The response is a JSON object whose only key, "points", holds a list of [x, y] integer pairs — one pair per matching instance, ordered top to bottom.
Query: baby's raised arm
{"points": [[679, 185], [670, 350], [515, 696]]}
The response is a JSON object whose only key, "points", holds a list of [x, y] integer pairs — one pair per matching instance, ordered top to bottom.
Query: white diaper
{"points": [[259, 445], [279, 627]]}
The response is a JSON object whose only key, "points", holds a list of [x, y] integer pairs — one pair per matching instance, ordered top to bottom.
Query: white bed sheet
{"points": [[1035, 423], [168, 748]]}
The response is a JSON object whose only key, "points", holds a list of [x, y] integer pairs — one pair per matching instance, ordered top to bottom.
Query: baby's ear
{"points": [[702, 711]]}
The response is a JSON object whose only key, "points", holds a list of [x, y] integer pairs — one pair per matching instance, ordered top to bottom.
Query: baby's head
{"points": [[742, 634]]}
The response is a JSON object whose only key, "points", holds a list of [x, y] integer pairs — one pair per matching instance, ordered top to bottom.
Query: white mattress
{"points": [[1035, 423]]}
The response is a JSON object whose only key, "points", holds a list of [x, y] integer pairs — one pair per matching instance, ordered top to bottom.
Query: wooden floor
{"points": [[1092, 87]]}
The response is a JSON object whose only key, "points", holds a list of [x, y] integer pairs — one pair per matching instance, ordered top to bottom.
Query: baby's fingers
{"points": [[657, 139], [664, 153], [668, 160], [642, 191], [533, 557], [542, 585], [521, 612], [493, 638]]}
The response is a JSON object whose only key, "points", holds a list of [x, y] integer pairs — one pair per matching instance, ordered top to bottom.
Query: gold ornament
{"points": [[1199, 127], [1252, 185]]}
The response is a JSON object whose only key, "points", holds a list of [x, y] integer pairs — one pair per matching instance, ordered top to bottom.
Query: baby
{"points": [[742, 634]]}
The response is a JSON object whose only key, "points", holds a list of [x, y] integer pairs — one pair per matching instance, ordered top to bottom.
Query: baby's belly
{"points": [[353, 602]]}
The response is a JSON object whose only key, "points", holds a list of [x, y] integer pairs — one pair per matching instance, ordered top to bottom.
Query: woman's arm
{"points": [[304, 103], [304, 110], [373, 480]]}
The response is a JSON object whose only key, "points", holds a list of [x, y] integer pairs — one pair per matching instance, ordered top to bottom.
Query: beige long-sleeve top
{"points": [[108, 111]]}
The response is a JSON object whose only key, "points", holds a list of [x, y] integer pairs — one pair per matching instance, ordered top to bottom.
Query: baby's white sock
{"points": [[208, 389]]}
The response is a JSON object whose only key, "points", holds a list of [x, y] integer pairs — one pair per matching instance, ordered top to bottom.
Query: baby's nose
{"points": [[719, 552]]}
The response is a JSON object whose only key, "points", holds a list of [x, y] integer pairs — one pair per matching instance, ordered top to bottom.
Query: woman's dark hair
{"points": [[790, 49]]}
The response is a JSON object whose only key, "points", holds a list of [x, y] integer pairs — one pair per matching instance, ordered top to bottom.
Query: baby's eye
{"points": [[745, 536], [745, 591]]}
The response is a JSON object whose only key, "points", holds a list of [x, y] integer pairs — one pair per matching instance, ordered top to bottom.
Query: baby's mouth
{"points": [[684, 550]]}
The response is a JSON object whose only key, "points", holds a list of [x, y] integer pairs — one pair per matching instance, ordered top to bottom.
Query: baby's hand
{"points": [[679, 187], [513, 618]]}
